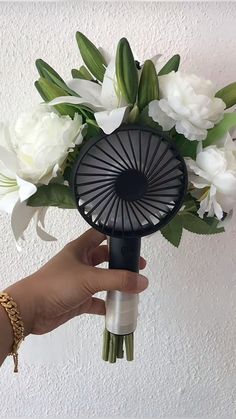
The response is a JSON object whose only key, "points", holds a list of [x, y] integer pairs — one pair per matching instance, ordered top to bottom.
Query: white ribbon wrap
{"points": [[121, 312]]}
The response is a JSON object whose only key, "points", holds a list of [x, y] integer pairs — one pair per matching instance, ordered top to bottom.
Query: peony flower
{"points": [[188, 103], [110, 108], [42, 140], [31, 153], [215, 171]]}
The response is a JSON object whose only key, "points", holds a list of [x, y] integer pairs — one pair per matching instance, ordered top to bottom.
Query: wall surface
{"points": [[186, 337]]}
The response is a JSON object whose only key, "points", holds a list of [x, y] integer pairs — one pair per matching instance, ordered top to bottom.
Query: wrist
{"points": [[22, 294], [6, 335]]}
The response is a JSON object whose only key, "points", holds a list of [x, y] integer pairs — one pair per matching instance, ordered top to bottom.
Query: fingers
{"points": [[90, 239], [101, 254], [142, 263], [116, 279], [97, 306]]}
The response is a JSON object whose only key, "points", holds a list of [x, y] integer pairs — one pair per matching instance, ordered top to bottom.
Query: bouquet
{"points": [[38, 152]]}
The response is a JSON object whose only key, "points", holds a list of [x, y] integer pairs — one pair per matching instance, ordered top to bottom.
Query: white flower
{"points": [[188, 103], [110, 108], [42, 140], [31, 153], [215, 170], [12, 187], [14, 190]]}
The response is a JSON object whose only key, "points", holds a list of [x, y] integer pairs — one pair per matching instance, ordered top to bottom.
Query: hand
{"points": [[64, 287]]}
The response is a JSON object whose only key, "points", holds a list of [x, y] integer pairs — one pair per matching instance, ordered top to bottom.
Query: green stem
{"points": [[106, 341], [113, 346], [129, 347], [112, 349], [120, 352]]}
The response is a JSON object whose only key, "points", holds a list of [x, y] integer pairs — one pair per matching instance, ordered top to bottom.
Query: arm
{"points": [[64, 287], [6, 335]]}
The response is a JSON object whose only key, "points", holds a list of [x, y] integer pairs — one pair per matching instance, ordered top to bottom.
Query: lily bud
{"points": [[126, 72]]}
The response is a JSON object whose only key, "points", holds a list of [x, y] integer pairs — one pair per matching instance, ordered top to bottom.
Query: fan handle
{"points": [[121, 307]]}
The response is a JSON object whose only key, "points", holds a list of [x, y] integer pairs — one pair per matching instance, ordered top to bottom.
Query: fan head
{"points": [[129, 183]]}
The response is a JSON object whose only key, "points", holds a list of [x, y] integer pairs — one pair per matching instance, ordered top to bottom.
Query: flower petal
{"points": [[88, 90], [109, 94], [74, 100], [156, 113], [108, 121], [5, 137], [9, 160], [26, 189], [8, 201], [20, 219], [39, 219]]}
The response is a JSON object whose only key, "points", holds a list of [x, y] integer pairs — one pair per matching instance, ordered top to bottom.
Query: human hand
{"points": [[64, 287]]}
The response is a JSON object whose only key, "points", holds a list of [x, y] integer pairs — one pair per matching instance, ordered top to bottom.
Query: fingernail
{"points": [[142, 282]]}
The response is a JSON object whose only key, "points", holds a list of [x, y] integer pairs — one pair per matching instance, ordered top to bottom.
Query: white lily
{"points": [[110, 108], [12, 187], [14, 192], [21, 217]]}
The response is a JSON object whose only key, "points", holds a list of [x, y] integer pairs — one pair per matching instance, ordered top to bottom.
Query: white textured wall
{"points": [[186, 339]]}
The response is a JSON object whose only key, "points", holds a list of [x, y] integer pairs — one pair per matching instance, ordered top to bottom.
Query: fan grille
{"points": [[129, 183]]}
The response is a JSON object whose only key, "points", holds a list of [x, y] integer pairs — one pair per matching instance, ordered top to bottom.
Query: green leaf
{"points": [[92, 57], [171, 65], [46, 71], [126, 71], [82, 73], [62, 85], [148, 85], [49, 91], [228, 95], [133, 115], [145, 119], [92, 128], [221, 129], [186, 147], [52, 195], [190, 204], [195, 224], [173, 231]]}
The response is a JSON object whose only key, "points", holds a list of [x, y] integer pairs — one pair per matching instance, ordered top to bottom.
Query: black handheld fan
{"points": [[127, 185]]}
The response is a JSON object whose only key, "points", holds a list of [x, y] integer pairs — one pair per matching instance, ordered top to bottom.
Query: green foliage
{"points": [[91, 56], [171, 65], [46, 71], [126, 72], [82, 73], [148, 85], [49, 91], [228, 95], [133, 115], [145, 119], [92, 129], [220, 130], [186, 147], [54, 195], [188, 219], [193, 223], [173, 231]]}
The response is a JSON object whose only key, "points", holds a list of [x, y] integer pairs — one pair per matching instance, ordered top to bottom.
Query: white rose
{"points": [[188, 103], [42, 140], [215, 170]]}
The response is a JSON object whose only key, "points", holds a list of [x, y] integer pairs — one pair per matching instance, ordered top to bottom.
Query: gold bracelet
{"points": [[12, 311]]}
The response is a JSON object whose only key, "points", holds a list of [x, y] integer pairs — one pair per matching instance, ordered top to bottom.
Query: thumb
{"points": [[116, 279]]}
